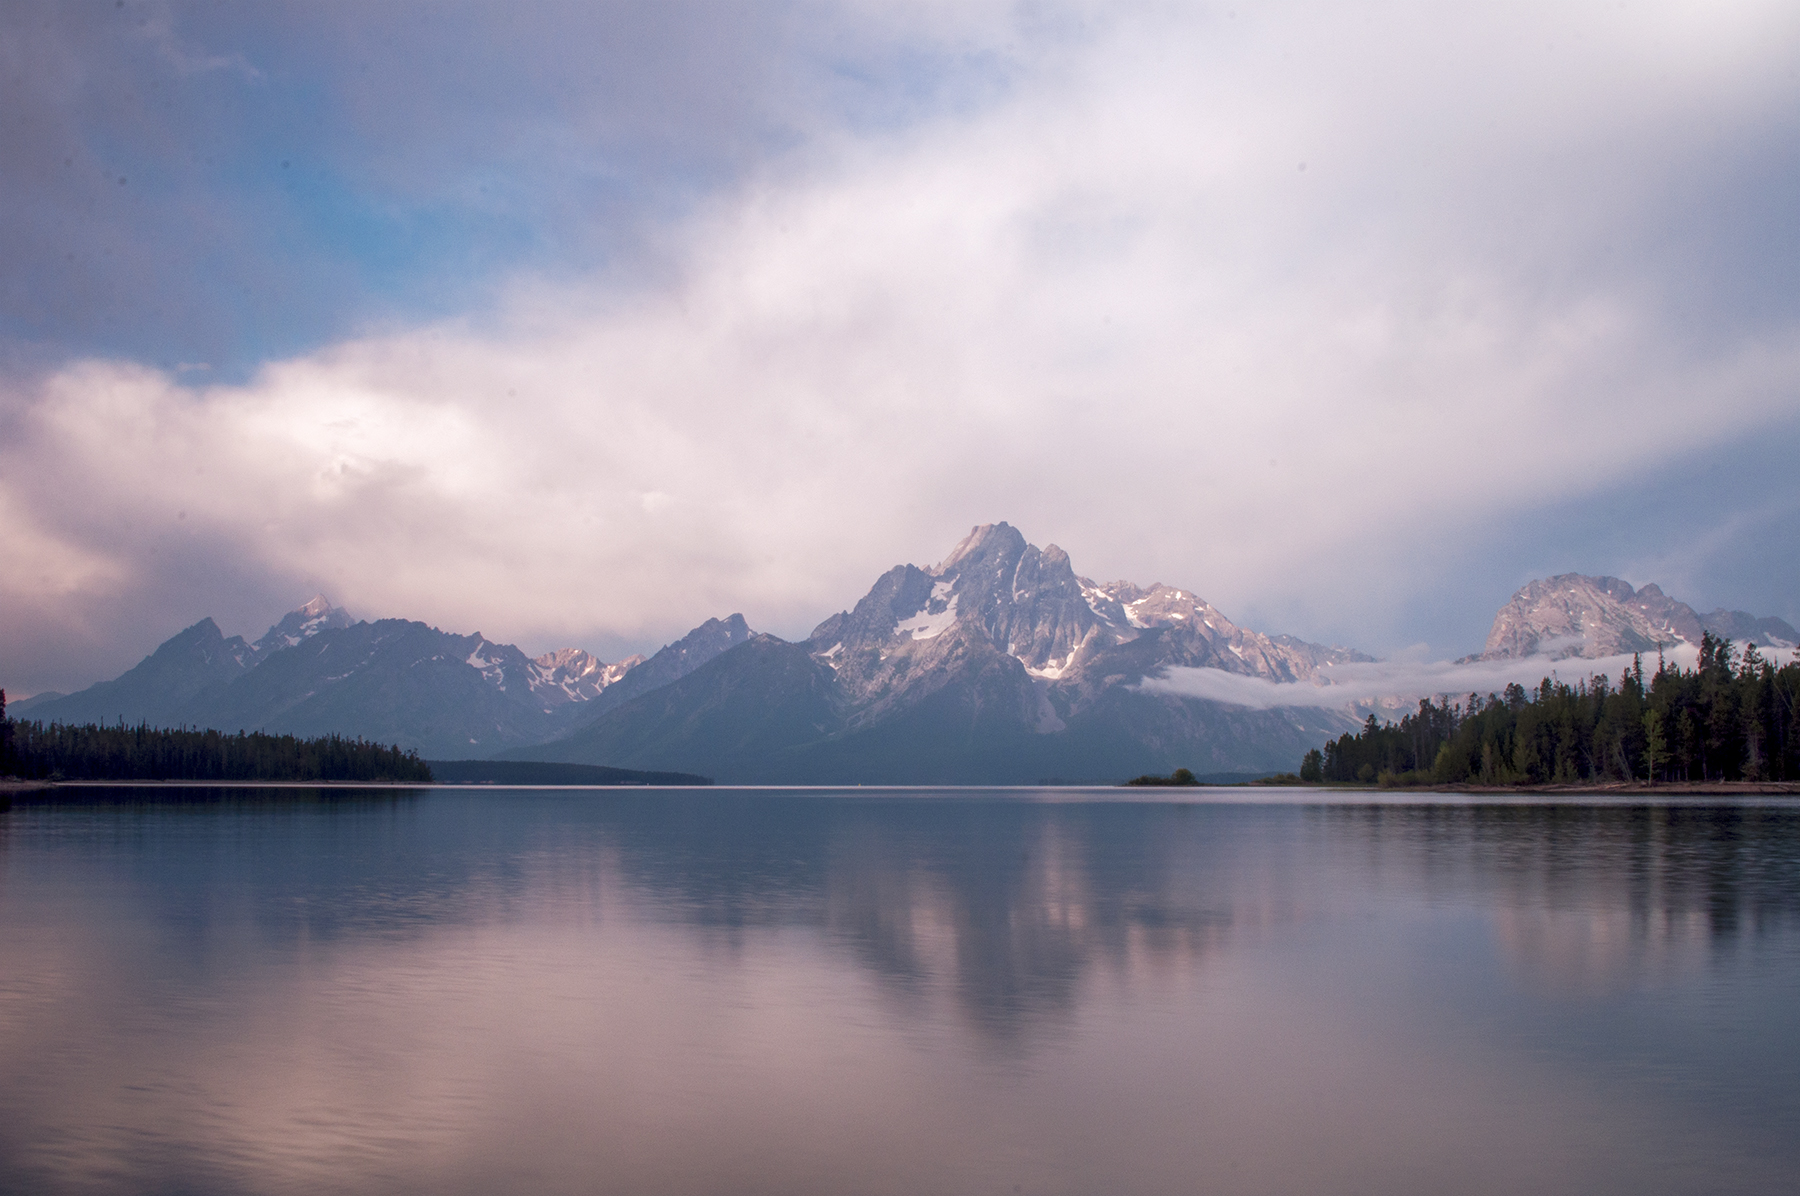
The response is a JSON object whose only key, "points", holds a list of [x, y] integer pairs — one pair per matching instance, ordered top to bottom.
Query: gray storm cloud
{"points": [[1238, 302]]}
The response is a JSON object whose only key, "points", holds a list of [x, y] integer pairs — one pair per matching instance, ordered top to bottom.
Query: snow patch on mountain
{"points": [[928, 624], [491, 670], [1054, 670]]}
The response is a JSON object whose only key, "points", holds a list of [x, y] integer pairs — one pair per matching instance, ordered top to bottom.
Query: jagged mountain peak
{"points": [[985, 541], [998, 592], [205, 629], [712, 636], [204, 643]]}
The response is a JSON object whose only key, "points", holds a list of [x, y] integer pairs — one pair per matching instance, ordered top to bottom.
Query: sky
{"points": [[580, 323]]}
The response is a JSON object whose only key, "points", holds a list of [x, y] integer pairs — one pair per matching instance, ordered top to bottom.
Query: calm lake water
{"points": [[766, 991]]}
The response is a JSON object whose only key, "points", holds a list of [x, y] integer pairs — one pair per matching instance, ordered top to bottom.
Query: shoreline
{"points": [[13, 788], [1579, 788], [1614, 789]]}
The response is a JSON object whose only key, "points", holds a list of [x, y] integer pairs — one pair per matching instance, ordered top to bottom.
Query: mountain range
{"points": [[998, 665], [394, 680]]}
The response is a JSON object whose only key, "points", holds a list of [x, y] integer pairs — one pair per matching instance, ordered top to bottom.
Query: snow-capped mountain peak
{"points": [[997, 593], [315, 615]]}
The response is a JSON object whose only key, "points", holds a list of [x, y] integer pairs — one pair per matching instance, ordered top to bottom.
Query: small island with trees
{"points": [[1180, 778]]}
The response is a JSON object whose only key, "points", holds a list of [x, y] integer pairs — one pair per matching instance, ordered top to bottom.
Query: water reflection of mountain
{"points": [[1007, 904], [1010, 905], [1004, 909]]}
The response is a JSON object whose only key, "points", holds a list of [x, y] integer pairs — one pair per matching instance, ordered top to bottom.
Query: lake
{"points": [[790, 991]]}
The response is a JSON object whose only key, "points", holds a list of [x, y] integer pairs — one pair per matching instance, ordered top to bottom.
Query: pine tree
{"points": [[1656, 752]]}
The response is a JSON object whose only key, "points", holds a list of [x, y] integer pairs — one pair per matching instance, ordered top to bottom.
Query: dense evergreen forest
{"points": [[1731, 718], [143, 753]]}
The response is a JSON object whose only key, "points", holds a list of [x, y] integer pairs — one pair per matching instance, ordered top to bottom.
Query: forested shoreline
{"points": [[1731, 718], [90, 752]]}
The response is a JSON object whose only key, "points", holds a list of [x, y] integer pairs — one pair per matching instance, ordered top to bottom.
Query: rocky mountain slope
{"points": [[1572, 615], [998, 665], [186, 670]]}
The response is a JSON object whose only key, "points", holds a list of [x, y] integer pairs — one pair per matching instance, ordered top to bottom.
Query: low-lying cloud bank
{"points": [[1346, 685]]}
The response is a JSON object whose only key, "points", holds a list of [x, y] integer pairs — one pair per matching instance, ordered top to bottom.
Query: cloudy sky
{"points": [[577, 323]]}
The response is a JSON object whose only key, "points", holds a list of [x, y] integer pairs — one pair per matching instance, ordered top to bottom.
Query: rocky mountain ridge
{"points": [[1573, 615]]}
